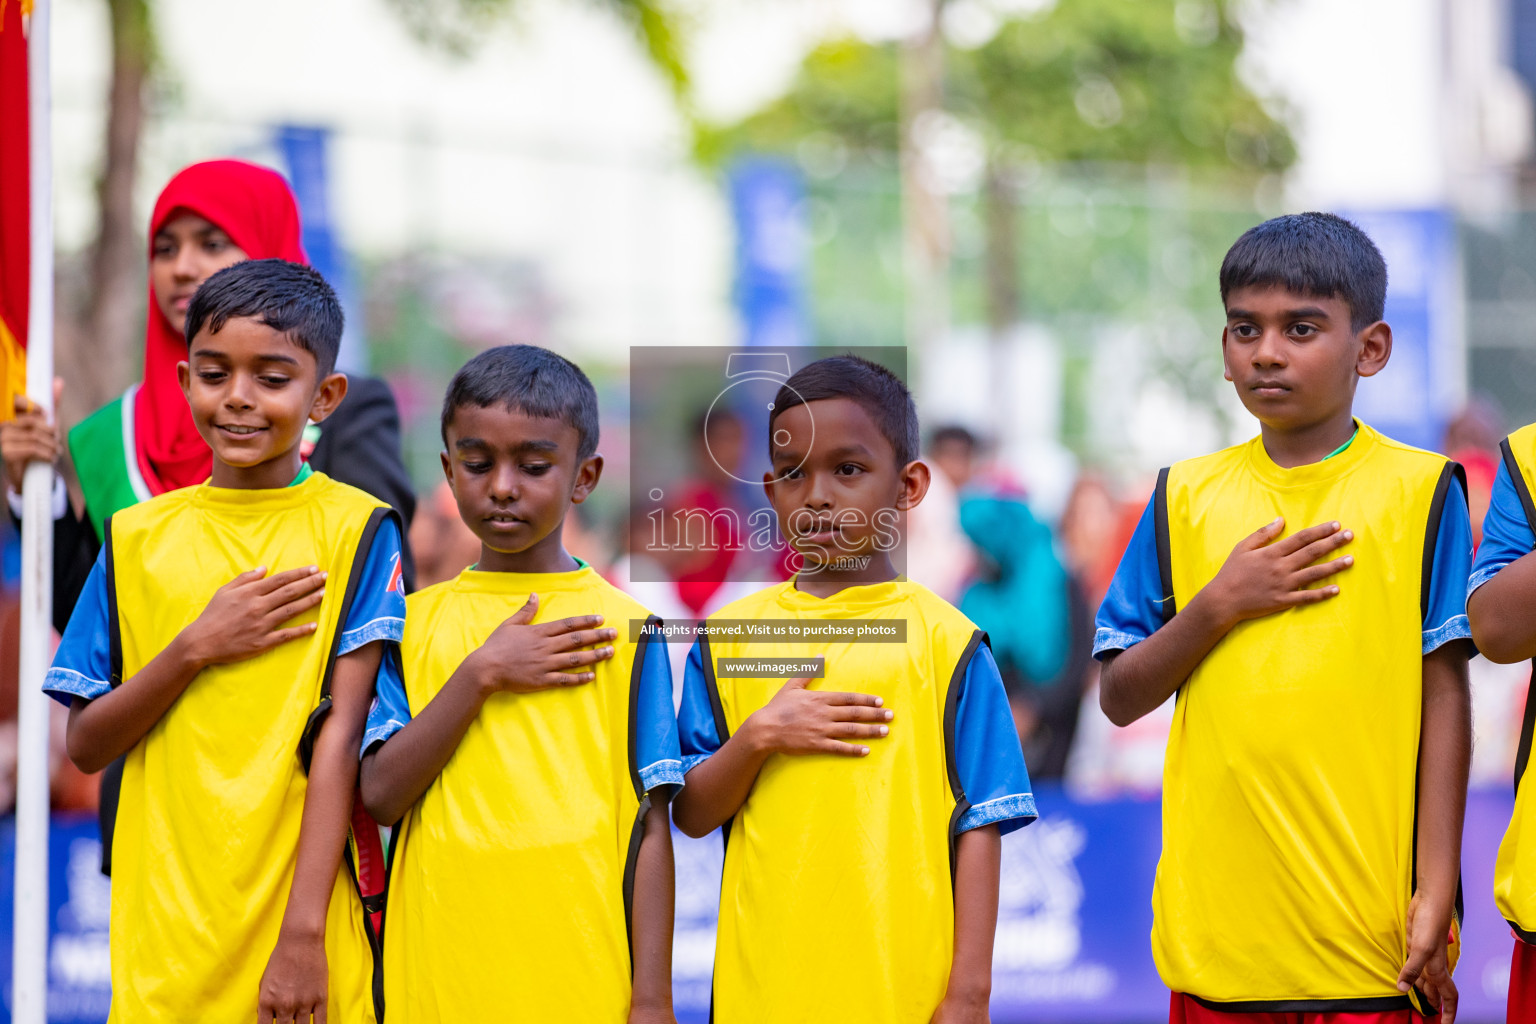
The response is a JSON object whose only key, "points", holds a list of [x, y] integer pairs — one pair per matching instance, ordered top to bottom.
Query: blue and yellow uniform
{"points": [[1509, 533], [1290, 782], [212, 797], [837, 888], [511, 890]]}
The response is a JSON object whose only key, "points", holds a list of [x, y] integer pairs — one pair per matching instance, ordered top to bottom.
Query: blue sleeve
{"points": [[1506, 532], [378, 604], [1133, 605], [1445, 618], [82, 666], [390, 710], [697, 734], [988, 756], [661, 763]]}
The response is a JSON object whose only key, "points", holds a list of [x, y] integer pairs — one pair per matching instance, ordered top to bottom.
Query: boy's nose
{"points": [[1270, 351], [238, 396], [503, 483]]}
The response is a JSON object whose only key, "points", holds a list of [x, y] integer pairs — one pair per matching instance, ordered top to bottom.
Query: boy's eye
{"points": [[1303, 330], [1245, 331], [211, 376], [273, 380], [476, 467], [537, 468], [850, 468], [792, 474]]}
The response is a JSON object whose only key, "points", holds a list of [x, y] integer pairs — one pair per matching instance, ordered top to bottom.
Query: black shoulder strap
{"points": [[1512, 467], [1450, 471], [1164, 553], [359, 559], [114, 627], [649, 632], [712, 685], [951, 724], [1528, 724], [112, 778]]}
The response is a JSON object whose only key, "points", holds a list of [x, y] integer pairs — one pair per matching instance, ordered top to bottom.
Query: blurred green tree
{"points": [[458, 25], [1153, 82], [1101, 86]]}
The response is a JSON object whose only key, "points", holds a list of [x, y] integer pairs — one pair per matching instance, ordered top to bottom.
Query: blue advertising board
{"points": [[1075, 911]]}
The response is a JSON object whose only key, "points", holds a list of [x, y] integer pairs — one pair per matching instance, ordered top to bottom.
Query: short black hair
{"points": [[1319, 254], [290, 298], [532, 380], [878, 391]]}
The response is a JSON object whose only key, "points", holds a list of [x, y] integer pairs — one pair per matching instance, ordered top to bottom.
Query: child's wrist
{"points": [[1209, 609], [188, 652], [478, 676], [754, 733], [302, 931]]}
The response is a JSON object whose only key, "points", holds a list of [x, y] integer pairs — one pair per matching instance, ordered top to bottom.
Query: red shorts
{"points": [[1522, 985], [1184, 1010]]}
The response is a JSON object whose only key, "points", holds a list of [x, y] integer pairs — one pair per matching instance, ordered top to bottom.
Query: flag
{"points": [[15, 193]]}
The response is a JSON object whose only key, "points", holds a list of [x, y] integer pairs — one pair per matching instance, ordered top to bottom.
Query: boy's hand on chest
{"points": [[1266, 573], [245, 616], [523, 657], [799, 720]]}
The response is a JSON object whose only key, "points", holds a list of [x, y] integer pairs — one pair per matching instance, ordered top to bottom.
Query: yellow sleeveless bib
{"points": [[1290, 780], [208, 821], [1514, 873], [510, 891], [836, 901]]}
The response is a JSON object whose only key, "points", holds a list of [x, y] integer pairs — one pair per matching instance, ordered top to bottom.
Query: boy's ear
{"points": [[1375, 349], [1225, 370], [184, 378], [327, 397], [447, 468], [587, 475], [915, 479], [768, 481]]}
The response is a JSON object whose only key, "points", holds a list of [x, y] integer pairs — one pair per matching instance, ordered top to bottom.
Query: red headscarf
{"points": [[254, 206]]}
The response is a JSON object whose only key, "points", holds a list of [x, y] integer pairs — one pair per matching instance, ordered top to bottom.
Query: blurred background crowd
{"points": [[1030, 197]]}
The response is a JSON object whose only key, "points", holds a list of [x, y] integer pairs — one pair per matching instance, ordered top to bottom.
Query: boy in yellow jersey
{"points": [[1301, 594], [1500, 596], [221, 683], [530, 753], [863, 809]]}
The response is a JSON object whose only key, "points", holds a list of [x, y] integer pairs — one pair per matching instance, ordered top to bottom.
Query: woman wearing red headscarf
{"points": [[143, 443]]}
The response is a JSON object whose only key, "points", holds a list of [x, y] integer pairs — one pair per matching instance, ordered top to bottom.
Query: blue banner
{"points": [[306, 151], [772, 252], [1075, 912]]}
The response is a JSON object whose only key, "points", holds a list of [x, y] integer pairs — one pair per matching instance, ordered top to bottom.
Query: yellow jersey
{"points": [[1290, 783], [207, 824], [839, 868], [1514, 874], [513, 875]]}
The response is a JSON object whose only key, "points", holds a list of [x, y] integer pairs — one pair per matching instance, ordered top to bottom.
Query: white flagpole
{"points": [[29, 964]]}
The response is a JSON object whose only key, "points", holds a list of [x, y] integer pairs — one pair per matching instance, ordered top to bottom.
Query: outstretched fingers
{"points": [[1321, 533]]}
